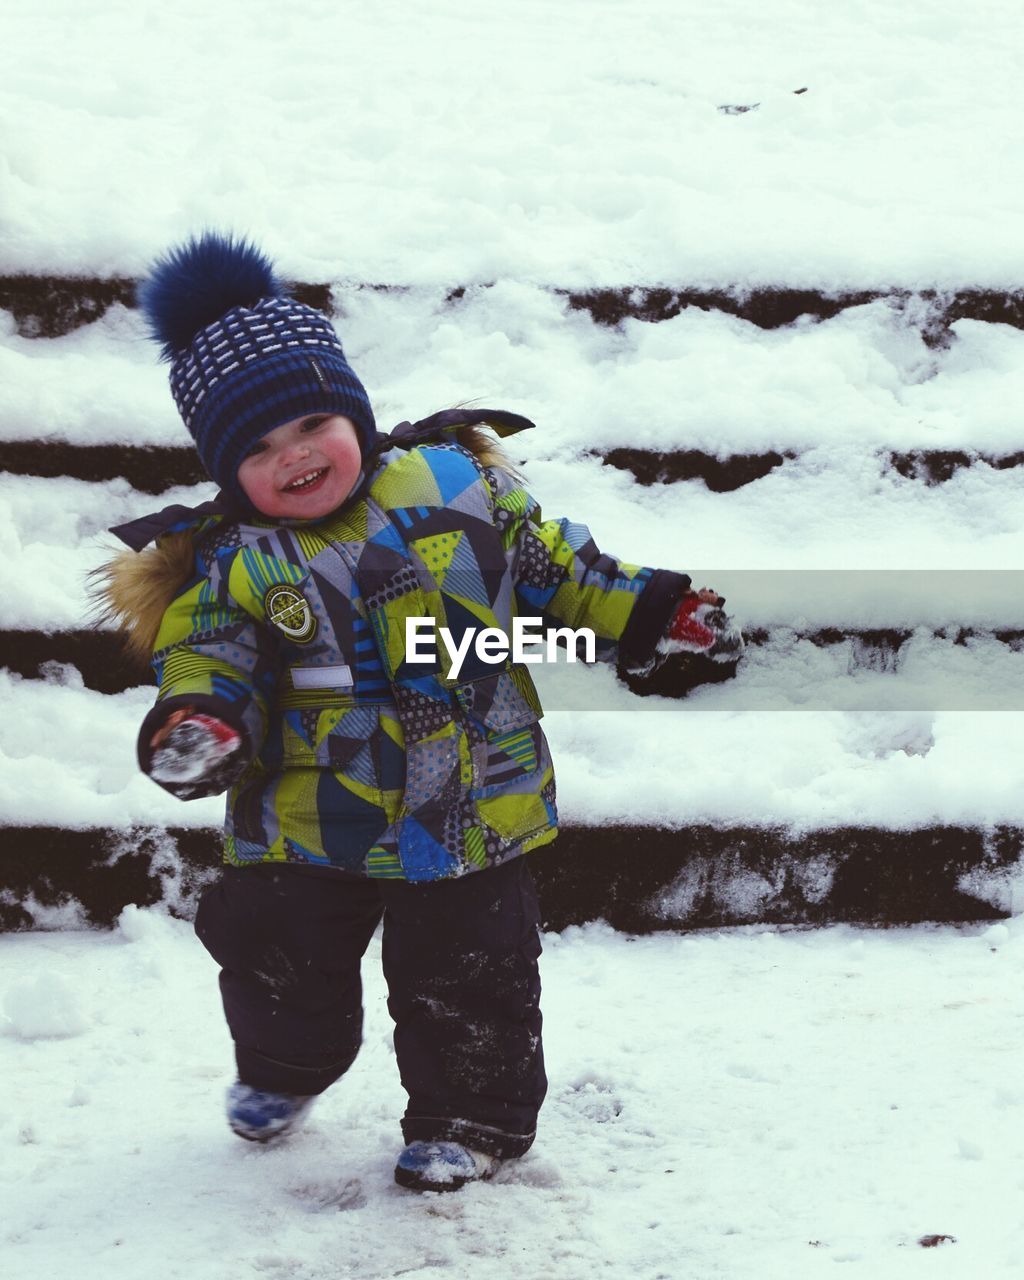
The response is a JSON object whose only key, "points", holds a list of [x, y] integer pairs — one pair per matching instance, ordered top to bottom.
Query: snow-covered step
{"points": [[52, 306], [935, 311], [708, 383], [156, 469], [149, 470], [722, 475], [809, 517], [851, 669], [767, 758], [675, 816]]}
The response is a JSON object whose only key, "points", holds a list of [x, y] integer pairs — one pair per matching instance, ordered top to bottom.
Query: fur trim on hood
{"points": [[133, 589]]}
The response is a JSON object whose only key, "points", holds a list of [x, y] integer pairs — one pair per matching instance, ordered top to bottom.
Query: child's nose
{"points": [[295, 450]]}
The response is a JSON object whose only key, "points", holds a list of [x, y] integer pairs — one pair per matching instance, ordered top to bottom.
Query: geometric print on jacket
{"points": [[357, 758]]}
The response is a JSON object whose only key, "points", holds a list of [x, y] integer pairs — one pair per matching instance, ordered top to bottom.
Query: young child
{"points": [[361, 785]]}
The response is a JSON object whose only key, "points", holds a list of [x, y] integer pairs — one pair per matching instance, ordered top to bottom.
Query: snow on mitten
{"points": [[701, 626], [200, 755]]}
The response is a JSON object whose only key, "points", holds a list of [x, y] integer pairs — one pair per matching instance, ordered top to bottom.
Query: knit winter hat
{"points": [[245, 357]]}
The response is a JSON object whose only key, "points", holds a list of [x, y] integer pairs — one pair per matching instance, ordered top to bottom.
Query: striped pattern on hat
{"points": [[245, 357], [256, 368]]}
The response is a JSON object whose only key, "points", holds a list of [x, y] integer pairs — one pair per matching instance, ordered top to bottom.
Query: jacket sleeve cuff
{"points": [[650, 617], [159, 714]]}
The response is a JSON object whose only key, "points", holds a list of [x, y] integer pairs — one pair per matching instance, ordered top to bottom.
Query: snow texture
{"points": [[454, 143], [701, 380], [668, 766], [729, 1104]]}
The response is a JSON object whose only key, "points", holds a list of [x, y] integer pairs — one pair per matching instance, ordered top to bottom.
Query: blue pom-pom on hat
{"points": [[192, 286], [245, 357]]}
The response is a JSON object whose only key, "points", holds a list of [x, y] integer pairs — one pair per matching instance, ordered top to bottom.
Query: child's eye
{"points": [[311, 424], [259, 447]]}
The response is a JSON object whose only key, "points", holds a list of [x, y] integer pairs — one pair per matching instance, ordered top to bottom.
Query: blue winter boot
{"points": [[259, 1116], [442, 1166]]}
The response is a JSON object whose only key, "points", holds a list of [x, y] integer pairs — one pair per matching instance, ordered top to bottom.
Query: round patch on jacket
{"points": [[288, 609]]}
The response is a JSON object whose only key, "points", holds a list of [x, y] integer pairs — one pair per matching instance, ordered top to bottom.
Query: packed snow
{"points": [[731, 1104]]}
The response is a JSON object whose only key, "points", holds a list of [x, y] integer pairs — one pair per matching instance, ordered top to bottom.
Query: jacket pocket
{"points": [[501, 702], [504, 737], [360, 743], [511, 765], [341, 782], [515, 809]]}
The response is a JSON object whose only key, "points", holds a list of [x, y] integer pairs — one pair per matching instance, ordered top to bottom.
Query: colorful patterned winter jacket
{"points": [[295, 635]]}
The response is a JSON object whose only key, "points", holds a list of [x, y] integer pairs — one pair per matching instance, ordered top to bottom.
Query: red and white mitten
{"points": [[701, 626], [199, 749]]}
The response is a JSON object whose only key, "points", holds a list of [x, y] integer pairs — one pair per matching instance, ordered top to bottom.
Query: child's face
{"points": [[303, 469]]}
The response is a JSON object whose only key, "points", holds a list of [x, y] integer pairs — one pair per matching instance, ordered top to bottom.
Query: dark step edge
{"points": [[50, 306], [147, 468], [157, 468], [725, 475], [99, 657], [639, 880]]}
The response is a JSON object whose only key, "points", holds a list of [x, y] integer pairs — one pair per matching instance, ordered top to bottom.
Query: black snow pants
{"points": [[460, 961]]}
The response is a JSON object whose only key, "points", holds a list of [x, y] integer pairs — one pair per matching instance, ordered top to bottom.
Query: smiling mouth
{"points": [[303, 483]]}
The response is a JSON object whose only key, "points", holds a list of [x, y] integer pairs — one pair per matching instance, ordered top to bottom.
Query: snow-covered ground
{"points": [[453, 142], [740, 1104]]}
